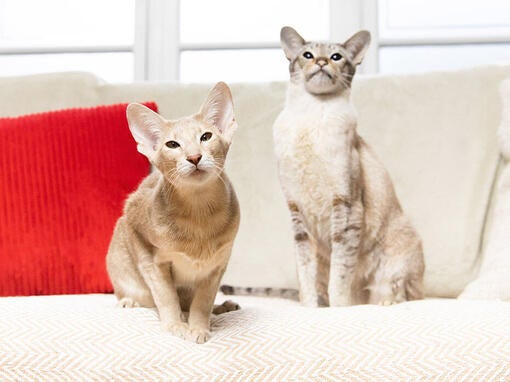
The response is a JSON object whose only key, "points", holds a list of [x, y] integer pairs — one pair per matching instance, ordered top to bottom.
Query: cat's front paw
{"points": [[128, 302], [178, 329], [199, 335]]}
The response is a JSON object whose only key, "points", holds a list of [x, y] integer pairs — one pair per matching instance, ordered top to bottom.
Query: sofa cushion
{"points": [[43, 92], [435, 132], [64, 176], [493, 280], [85, 338]]}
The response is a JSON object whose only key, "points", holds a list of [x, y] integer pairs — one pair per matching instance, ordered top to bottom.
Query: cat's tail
{"points": [[291, 294]]}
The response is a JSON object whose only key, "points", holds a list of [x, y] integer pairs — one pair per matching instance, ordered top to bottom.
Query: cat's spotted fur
{"points": [[353, 243]]}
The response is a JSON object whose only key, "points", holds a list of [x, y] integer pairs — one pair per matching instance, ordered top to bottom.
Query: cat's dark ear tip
{"points": [[285, 30], [367, 33], [367, 36]]}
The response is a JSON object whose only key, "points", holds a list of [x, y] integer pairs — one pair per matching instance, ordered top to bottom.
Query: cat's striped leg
{"points": [[346, 225], [306, 259]]}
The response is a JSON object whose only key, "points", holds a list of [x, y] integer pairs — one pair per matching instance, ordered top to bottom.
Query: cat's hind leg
{"points": [[398, 276], [397, 279], [128, 285], [186, 297], [225, 307]]}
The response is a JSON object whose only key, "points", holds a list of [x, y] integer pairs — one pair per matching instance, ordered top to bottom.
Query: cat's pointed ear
{"points": [[291, 42], [357, 46], [218, 109], [144, 125]]}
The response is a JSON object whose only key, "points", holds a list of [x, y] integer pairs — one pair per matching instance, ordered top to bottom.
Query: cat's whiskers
{"points": [[218, 174], [174, 179]]}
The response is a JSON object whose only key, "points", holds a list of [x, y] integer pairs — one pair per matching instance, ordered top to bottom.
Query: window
{"points": [[60, 35], [418, 35], [240, 40]]}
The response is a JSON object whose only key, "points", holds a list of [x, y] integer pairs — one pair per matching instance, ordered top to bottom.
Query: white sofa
{"points": [[436, 133]]}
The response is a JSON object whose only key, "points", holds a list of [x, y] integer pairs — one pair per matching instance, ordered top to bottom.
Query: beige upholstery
{"points": [[435, 132], [493, 280], [86, 338]]}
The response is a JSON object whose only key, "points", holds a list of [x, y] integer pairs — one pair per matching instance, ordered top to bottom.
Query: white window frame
{"points": [[424, 37], [157, 41], [157, 46], [66, 49]]}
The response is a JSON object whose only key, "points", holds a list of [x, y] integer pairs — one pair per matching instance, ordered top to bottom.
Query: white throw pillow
{"points": [[493, 281]]}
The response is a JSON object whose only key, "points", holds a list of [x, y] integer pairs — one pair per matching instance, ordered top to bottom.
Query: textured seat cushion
{"points": [[64, 176], [493, 279], [88, 338]]}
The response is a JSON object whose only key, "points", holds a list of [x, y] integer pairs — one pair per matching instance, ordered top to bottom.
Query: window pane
{"points": [[444, 13], [261, 20], [444, 20], [64, 22], [409, 59], [234, 66], [112, 67]]}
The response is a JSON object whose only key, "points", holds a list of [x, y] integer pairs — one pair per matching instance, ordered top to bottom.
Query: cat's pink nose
{"points": [[321, 61], [194, 159]]}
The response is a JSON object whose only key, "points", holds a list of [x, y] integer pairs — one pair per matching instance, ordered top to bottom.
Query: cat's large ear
{"points": [[291, 42], [357, 45], [218, 109], [144, 125]]}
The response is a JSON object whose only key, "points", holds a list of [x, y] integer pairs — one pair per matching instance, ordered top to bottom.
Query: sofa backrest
{"points": [[435, 132]]}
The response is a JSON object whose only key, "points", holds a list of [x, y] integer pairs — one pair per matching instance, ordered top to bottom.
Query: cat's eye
{"points": [[308, 55], [336, 57], [205, 137], [172, 144]]}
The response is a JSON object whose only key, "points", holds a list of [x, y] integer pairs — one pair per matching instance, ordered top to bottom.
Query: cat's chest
{"points": [[311, 151], [310, 154], [306, 176], [195, 247]]}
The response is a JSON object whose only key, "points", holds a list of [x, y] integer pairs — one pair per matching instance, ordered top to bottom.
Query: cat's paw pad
{"points": [[128, 302], [227, 306], [178, 329], [199, 335]]}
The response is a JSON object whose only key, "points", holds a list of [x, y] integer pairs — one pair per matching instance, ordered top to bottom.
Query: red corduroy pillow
{"points": [[64, 176]]}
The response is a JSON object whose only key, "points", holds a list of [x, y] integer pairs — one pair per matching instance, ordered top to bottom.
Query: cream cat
{"points": [[353, 243], [172, 244]]}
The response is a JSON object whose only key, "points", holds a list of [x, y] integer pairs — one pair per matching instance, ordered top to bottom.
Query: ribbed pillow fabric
{"points": [[64, 176]]}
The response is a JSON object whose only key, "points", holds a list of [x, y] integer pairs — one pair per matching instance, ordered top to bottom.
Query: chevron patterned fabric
{"points": [[86, 337]]}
